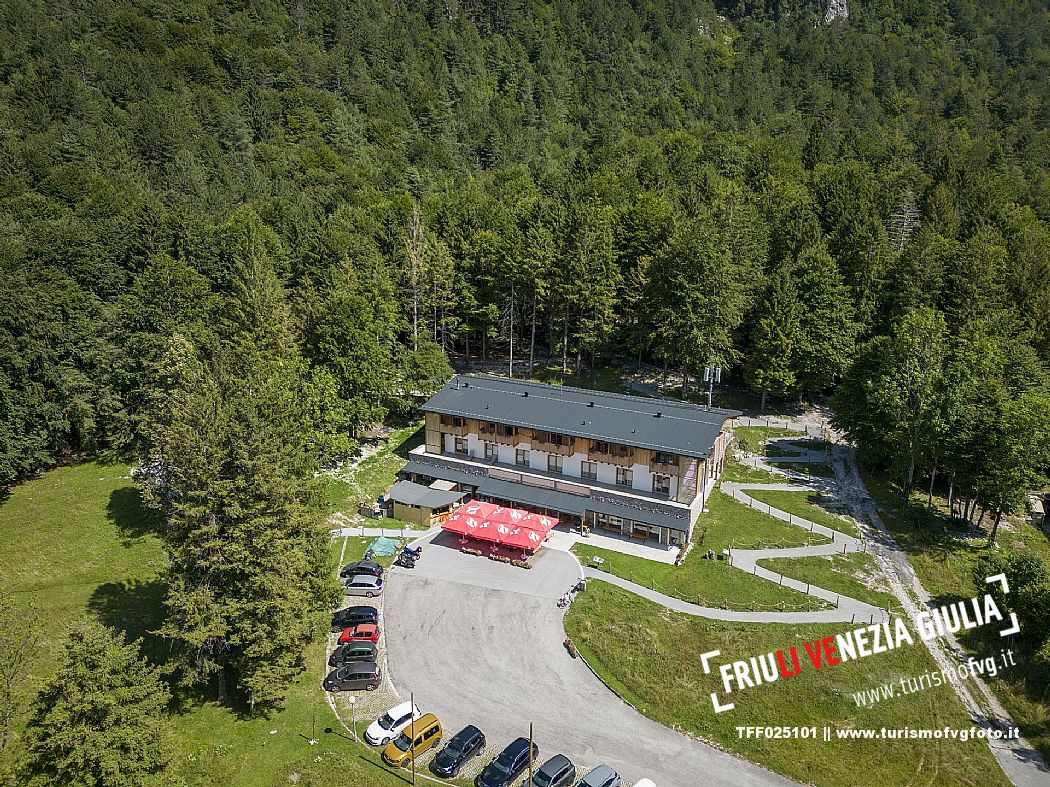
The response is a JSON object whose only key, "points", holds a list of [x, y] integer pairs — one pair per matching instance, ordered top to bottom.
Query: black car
{"points": [[361, 567], [351, 616], [356, 650], [350, 677], [468, 742], [508, 765], [558, 771]]}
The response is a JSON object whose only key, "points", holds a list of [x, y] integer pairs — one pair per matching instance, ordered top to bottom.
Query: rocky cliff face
{"points": [[837, 9]]}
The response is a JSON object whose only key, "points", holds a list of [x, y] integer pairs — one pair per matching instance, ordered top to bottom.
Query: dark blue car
{"points": [[468, 742], [508, 765]]}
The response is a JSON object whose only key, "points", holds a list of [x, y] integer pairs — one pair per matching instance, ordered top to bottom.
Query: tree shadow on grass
{"points": [[412, 441], [133, 518], [137, 609]]}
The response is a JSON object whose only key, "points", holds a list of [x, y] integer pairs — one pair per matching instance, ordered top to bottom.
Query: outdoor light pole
{"points": [[712, 375], [412, 742]]}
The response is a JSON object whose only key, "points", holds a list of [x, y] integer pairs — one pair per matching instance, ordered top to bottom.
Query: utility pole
{"points": [[712, 375], [412, 742], [530, 754]]}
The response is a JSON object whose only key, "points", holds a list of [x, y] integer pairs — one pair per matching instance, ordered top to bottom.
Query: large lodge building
{"points": [[639, 467]]}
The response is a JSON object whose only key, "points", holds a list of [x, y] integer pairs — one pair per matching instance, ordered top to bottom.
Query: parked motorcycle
{"points": [[414, 552], [405, 561]]}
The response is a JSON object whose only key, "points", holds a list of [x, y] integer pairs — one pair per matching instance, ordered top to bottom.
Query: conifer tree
{"points": [[826, 328], [774, 336], [245, 537], [99, 721]]}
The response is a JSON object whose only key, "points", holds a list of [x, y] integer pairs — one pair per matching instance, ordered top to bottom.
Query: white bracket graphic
{"points": [[1001, 579], [1013, 629], [705, 657], [718, 707]]}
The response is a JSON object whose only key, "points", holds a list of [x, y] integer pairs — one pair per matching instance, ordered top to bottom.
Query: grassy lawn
{"points": [[606, 378], [753, 438], [820, 469], [733, 470], [368, 480], [813, 506], [729, 523], [78, 542], [944, 564], [856, 575], [714, 582], [665, 681]]}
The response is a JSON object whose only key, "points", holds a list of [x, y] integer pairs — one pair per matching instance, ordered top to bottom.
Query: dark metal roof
{"points": [[658, 424], [437, 468], [412, 494], [577, 504], [648, 512]]}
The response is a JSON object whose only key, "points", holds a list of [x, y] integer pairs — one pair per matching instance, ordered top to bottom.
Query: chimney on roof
{"points": [[466, 384], [526, 394], [590, 404], [658, 413]]}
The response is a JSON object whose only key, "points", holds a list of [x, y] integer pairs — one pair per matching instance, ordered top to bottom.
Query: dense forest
{"points": [[235, 235]]}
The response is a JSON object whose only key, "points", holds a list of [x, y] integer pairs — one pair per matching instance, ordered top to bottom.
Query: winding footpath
{"points": [[847, 610], [1021, 761]]}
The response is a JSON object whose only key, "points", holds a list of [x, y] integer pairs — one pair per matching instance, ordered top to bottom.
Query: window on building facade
{"points": [[488, 427], [506, 431], [461, 445], [599, 446], [491, 451], [521, 457], [664, 458], [554, 463], [589, 470], [624, 476], [662, 484]]}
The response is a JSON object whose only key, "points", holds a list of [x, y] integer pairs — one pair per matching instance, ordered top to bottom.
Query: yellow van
{"points": [[416, 738]]}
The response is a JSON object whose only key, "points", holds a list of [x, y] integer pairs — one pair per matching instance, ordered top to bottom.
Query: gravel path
{"points": [[1019, 759]]}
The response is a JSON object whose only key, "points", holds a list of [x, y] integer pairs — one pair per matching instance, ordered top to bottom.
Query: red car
{"points": [[369, 632]]}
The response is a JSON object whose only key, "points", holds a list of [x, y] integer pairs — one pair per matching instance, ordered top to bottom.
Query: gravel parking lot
{"points": [[482, 642]]}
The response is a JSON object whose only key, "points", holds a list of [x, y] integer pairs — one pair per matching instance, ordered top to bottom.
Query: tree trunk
{"points": [[512, 329], [532, 338], [565, 343], [484, 348], [685, 380], [762, 404], [911, 466], [951, 494], [929, 496], [995, 525], [222, 685]]}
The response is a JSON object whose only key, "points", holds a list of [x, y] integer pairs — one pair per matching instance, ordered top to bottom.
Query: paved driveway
{"points": [[481, 642]]}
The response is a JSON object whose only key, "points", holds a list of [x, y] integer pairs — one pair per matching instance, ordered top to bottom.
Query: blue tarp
{"points": [[383, 546]]}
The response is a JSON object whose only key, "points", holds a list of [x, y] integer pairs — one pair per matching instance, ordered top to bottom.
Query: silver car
{"points": [[363, 585], [602, 776]]}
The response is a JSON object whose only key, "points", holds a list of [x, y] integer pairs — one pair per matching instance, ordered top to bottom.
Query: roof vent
{"points": [[466, 384], [526, 394], [590, 404], [658, 413]]}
